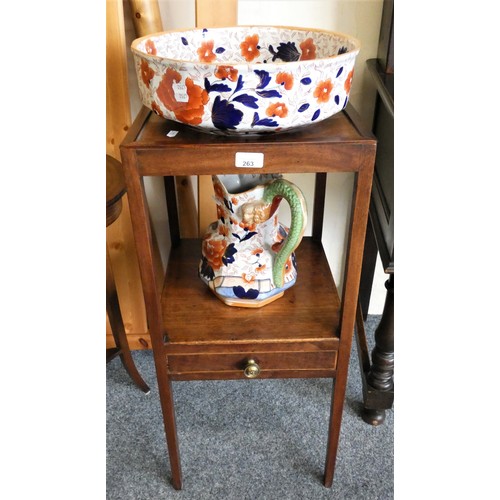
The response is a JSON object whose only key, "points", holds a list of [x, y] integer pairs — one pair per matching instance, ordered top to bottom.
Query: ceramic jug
{"points": [[248, 256]]}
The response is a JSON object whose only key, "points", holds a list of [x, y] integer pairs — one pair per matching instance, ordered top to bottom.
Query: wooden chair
{"points": [[115, 189]]}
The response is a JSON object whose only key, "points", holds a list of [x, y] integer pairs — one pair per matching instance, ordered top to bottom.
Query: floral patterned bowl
{"points": [[246, 79]]}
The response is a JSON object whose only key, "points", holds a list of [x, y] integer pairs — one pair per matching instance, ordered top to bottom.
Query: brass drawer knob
{"points": [[252, 369]]}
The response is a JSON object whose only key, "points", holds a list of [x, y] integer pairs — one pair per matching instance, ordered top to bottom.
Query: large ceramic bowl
{"points": [[246, 79]]}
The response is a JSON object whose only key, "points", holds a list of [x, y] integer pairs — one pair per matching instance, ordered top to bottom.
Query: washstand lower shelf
{"points": [[295, 336]]}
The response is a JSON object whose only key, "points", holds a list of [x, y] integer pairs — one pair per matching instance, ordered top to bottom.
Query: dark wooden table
{"points": [[115, 189], [308, 332], [377, 370]]}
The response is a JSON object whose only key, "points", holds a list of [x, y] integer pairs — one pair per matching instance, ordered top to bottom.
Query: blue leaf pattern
{"points": [[184, 41], [220, 50], [286, 52], [340, 71], [264, 78], [305, 81], [239, 85], [216, 87], [219, 87], [268, 93], [337, 99], [247, 100], [303, 107], [316, 114], [225, 115], [265, 122], [229, 205], [249, 235], [246, 237], [228, 257], [207, 270], [240, 292]]}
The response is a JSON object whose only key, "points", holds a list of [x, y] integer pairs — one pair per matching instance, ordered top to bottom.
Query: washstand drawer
{"points": [[253, 364]]}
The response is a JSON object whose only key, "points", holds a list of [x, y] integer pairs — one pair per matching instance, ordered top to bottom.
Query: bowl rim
{"points": [[140, 53]]}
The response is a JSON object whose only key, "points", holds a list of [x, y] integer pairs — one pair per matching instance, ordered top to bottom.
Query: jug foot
{"points": [[235, 302]]}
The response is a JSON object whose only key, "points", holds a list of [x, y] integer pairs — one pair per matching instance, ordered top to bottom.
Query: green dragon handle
{"points": [[292, 194]]}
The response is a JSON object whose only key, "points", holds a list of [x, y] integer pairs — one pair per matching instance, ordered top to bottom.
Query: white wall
{"points": [[357, 18]]}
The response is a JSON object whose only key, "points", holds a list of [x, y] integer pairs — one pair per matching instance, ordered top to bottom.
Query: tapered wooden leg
{"points": [[139, 214], [359, 218], [118, 330], [167, 404], [333, 435]]}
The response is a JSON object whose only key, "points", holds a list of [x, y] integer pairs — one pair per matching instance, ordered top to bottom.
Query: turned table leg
{"points": [[115, 189], [118, 330], [380, 385]]}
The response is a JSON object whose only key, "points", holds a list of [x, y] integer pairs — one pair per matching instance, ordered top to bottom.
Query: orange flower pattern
{"points": [[150, 47], [250, 47], [308, 50], [206, 52], [228, 72], [147, 73], [285, 79], [348, 81], [165, 90], [323, 90], [277, 109], [190, 112], [219, 192], [213, 249]]}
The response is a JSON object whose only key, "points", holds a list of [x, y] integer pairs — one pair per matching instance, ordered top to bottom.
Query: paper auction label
{"points": [[249, 160]]}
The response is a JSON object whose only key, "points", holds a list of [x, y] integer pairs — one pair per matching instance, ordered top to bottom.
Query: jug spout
{"points": [[236, 184], [247, 254]]}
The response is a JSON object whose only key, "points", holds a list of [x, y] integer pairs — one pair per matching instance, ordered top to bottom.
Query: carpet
{"points": [[258, 439]]}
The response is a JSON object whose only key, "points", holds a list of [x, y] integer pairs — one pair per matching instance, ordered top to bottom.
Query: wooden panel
{"points": [[211, 13], [146, 17], [118, 118], [335, 144], [207, 211], [119, 234], [125, 266], [136, 341], [294, 345], [236, 362], [264, 374]]}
